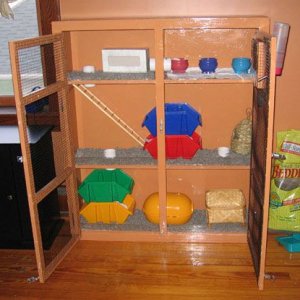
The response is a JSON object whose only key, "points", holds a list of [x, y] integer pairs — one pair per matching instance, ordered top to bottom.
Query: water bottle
{"points": [[281, 31]]}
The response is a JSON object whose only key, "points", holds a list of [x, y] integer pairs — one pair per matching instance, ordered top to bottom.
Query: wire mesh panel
{"points": [[30, 61], [38, 66], [43, 103], [42, 108], [261, 149], [54, 219]]}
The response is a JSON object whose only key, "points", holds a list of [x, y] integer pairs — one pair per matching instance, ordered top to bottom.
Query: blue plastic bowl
{"points": [[208, 64], [241, 65], [38, 105]]}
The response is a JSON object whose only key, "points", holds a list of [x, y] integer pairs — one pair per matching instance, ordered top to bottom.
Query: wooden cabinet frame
{"points": [[158, 27]]}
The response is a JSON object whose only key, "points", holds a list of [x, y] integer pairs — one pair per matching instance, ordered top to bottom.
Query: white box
{"points": [[125, 60]]}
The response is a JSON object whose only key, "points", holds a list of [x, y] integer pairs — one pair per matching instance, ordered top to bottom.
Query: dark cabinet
{"points": [[15, 224]]}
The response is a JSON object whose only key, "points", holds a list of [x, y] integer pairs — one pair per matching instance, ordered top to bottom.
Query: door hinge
{"points": [[269, 276], [32, 279]]}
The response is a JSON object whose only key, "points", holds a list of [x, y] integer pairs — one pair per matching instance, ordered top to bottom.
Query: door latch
{"points": [[161, 126], [278, 156]]}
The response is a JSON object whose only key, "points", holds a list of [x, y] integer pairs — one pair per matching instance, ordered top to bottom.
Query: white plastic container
{"points": [[281, 31], [167, 64], [89, 69], [223, 151], [109, 153]]}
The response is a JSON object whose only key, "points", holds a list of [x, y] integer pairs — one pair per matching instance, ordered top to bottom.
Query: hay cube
{"points": [[225, 206]]}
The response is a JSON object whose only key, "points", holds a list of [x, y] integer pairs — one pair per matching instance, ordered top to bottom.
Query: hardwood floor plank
{"points": [[121, 270]]}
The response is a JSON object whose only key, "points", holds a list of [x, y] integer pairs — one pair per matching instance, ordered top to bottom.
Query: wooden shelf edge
{"points": [[257, 22], [166, 81], [209, 81], [7, 101], [169, 167], [208, 167], [145, 236]]}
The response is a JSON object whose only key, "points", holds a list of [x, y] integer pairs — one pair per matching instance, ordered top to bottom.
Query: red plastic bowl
{"points": [[179, 65], [184, 146]]}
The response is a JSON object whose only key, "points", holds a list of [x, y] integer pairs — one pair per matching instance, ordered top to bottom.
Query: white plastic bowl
{"points": [[88, 69], [223, 151], [109, 153]]}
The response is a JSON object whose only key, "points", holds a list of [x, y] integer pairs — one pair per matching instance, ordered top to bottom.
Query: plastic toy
{"points": [[208, 64], [179, 65], [241, 65], [180, 118], [181, 139], [184, 146], [106, 186], [107, 194], [179, 208], [113, 212], [291, 242]]}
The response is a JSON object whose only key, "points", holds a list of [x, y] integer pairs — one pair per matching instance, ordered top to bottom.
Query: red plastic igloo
{"points": [[177, 146]]}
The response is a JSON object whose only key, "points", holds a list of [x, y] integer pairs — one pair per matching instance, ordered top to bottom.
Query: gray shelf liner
{"points": [[100, 75], [150, 75], [138, 156], [138, 222]]}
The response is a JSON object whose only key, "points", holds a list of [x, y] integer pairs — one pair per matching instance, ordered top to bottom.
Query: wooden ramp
{"points": [[109, 113]]}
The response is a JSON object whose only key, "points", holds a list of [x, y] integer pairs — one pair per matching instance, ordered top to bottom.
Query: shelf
{"points": [[222, 76], [99, 77], [190, 77], [8, 116], [125, 158], [138, 158], [209, 159], [138, 222], [137, 227], [147, 236]]}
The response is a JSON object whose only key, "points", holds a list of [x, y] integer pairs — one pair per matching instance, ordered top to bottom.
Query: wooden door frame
{"points": [[66, 174], [258, 251]]}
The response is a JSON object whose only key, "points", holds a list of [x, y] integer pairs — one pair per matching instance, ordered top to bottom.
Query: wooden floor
{"points": [[119, 270]]}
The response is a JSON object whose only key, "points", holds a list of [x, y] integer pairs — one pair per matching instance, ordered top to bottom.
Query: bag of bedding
{"points": [[284, 213]]}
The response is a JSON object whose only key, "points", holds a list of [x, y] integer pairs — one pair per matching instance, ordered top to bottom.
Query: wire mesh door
{"points": [[263, 48], [40, 86]]}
